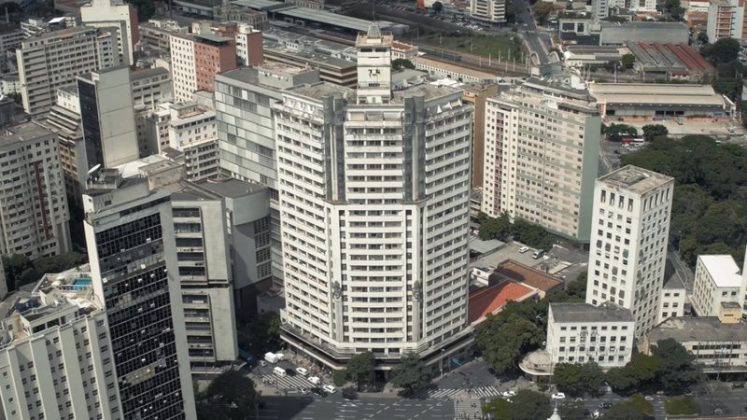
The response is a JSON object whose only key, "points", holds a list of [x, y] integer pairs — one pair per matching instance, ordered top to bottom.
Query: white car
{"points": [[523, 249], [302, 371], [314, 380], [329, 388], [509, 394], [558, 396]]}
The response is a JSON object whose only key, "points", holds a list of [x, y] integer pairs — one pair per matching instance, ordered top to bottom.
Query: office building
{"points": [[491, 11], [115, 14], [726, 19], [155, 35], [249, 51], [54, 59], [196, 59], [150, 86], [107, 117], [246, 131], [192, 132], [541, 157], [374, 202], [34, 215], [629, 237], [130, 239], [718, 279], [673, 299], [581, 333], [717, 343], [56, 356]]}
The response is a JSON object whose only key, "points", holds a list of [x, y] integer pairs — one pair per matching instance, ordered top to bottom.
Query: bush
{"points": [[339, 377], [682, 406]]}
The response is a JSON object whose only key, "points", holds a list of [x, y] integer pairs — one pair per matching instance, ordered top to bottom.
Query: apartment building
{"points": [[600, 9], [491, 11], [117, 14], [726, 19], [155, 35], [11, 37], [249, 50], [54, 59], [196, 59], [150, 86], [477, 95], [107, 117], [152, 126], [192, 131], [246, 131], [541, 157], [374, 202], [33, 210], [245, 215], [131, 247], [628, 249], [718, 279], [673, 299], [580, 333], [717, 343], [56, 355]]}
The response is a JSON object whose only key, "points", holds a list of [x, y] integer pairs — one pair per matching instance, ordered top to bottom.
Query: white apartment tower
{"points": [[600, 9], [493, 11], [115, 14], [54, 59], [542, 156], [374, 203], [33, 210], [629, 239]]}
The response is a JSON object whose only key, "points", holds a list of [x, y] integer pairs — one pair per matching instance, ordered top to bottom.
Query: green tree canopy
{"points": [[438, 7], [722, 51], [627, 61], [402, 63], [652, 131], [498, 228], [360, 368], [678, 373], [411, 374], [578, 379], [230, 396], [526, 405], [635, 408]]}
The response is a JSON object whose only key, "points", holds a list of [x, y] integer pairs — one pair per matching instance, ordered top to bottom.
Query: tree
{"points": [[437, 7], [145, 9], [542, 11], [703, 37], [722, 51], [627, 61], [402, 63], [615, 131], [652, 131], [499, 228], [532, 234], [577, 288], [265, 333], [360, 368], [678, 373], [412, 374], [339, 377], [578, 379], [230, 396], [530, 405], [636, 408], [498, 409], [573, 410]]}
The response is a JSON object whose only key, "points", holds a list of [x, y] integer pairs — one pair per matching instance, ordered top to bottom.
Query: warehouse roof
{"points": [[330, 18], [652, 93], [698, 329]]}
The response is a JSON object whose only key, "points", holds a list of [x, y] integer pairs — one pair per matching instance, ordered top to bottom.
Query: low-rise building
{"points": [[613, 33], [669, 61], [442, 70], [150, 86], [718, 279], [541, 281], [673, 299], [490, 300], [580, 333], [719, 343], [56, 356]]}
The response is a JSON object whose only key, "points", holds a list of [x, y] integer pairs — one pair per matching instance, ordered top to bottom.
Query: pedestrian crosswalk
{"points": [[288, 382], [458, 393], [468, 409]]}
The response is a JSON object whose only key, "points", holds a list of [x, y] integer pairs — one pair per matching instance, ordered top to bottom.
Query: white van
{"points": [[279, 371]]}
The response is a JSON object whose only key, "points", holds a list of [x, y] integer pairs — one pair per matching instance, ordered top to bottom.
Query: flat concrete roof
{"points": [[261, 4], [323, 16], [453, 68], [652, 93], [22, 132], [634, 179], [722, 269], [584, 312], [699, 330]]}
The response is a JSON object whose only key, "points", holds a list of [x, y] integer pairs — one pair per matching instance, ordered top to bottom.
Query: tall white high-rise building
{"points": [[600, 9], [493, 11], [116, 14], [542, 156], [374, 203], [629, 237]]}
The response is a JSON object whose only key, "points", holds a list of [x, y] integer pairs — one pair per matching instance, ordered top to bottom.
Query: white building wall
{"points": [[109, 13], [183, 68], [709, 293], [672, 303]]}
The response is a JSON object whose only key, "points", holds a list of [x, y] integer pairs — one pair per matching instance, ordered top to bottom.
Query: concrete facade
{"points": [[493, 11], [117, 14], [196, 60], [192, 131], [628, 248], [718, 279]]}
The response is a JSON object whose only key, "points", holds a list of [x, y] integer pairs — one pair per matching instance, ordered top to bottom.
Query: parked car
{"points": [[523, 249], [538, 253], [279, 371], [302, 371], [290, 372], [314, 380], [329, 388], [319, 391], [509, 394], [558, 396]]}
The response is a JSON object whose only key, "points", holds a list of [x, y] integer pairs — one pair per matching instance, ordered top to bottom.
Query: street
{"points": [[336, 408]]}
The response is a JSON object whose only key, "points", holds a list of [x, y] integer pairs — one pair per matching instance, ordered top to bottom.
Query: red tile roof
{"points": [[514, 270], [489, 300]]}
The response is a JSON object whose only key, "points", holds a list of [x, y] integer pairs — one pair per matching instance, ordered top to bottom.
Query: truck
{"points": [[271, 357]]}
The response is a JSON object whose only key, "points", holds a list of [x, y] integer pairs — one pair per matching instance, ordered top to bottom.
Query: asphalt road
{"points": [[335, 408]]}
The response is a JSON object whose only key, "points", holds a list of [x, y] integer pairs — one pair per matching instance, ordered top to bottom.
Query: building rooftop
{"points": [[261, 4], [329, 18], [643, 25], [212, 38], [425, 61], [145, 73], [321, 89], [652, 93], [23, 132], [634, 179], [230, 187], [483, 247], [722, 269], [514, 270], [674, 283], [490, 300], [584, 312], [698, 329]]}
